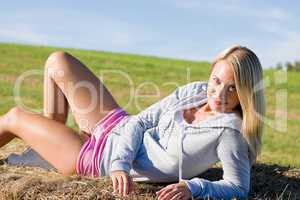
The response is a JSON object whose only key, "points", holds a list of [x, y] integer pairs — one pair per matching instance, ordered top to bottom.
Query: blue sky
{"points": [[185, 29]]}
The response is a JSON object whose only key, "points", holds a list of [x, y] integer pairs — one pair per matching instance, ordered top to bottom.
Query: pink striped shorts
{"points": [[88, 161]]}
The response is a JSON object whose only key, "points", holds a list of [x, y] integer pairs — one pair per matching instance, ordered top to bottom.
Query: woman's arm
{"points": [[131, 135], [232, 150]]}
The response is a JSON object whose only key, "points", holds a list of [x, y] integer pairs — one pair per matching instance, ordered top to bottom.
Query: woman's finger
{"points": [[115, 182], [120, 184], [125, 184], [164, 188], [161, 192], [164, 193], [170, 194], [178, 196]]}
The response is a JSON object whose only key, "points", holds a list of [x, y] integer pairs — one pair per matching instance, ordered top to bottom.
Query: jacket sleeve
{"points": [[131, 134], [232, 151]]}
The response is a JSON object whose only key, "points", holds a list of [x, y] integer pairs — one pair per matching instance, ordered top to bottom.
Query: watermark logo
{"points": [[70, 90]]}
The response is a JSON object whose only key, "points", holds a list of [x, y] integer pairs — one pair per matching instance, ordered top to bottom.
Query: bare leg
{"points": [[65, 78], [69, 83], [55, 103], [56, 106], [57, 143]]}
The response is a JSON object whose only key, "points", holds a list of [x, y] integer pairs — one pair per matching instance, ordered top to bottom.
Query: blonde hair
{"points": [[248, 75]]}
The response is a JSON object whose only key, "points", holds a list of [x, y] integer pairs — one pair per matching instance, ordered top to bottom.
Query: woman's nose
{"points": [[221, 92]]}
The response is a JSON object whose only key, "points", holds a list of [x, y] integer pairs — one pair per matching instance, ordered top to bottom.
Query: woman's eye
{"points": [[215, 79], [231, 89]]}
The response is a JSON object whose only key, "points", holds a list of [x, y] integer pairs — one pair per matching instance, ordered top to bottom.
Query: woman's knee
{"points": [[56, 57], [58, 64], [12, 117]]}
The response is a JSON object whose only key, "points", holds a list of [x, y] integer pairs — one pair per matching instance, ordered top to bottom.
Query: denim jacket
{"points": [[155, 144]]}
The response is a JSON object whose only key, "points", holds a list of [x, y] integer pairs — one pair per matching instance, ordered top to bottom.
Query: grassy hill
{"points": [[151, 79]]}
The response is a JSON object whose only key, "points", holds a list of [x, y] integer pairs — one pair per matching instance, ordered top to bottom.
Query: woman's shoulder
{"points": [[233, 138], [233, 145]]}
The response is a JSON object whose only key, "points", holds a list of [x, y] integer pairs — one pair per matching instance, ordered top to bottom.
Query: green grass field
{"points": [[120, 72]]}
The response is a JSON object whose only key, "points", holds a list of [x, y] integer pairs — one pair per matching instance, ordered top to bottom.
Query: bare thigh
{"points": [[87, 96], [54, 141]]}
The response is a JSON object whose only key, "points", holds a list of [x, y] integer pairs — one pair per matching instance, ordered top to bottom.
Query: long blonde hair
{"points": [[248, 75]]}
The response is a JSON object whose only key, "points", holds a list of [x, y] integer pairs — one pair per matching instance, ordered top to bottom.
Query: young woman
{"points": [[180, 136]]}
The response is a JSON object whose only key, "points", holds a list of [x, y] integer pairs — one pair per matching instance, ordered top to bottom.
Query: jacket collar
{"points": [[219, 120]]}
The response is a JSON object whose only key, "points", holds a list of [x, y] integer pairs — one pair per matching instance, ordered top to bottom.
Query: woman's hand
{"points": [[122, 182], [174, 191]]}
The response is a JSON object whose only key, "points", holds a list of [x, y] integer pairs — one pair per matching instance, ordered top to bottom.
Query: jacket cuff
{"points": [[120, 165], [195, 186]]}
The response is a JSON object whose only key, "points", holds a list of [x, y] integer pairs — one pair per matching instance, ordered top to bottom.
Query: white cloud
{"points": [[205, 7], [233, 7], [274, 14], [275, 24], [21, 34], [285, 50], [180, 52]]}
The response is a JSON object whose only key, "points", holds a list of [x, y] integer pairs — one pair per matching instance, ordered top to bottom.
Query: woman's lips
{"points": [[218, 103]]}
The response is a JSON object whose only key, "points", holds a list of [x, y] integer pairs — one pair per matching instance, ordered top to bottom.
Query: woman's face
{"points": [[221, 91]]}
